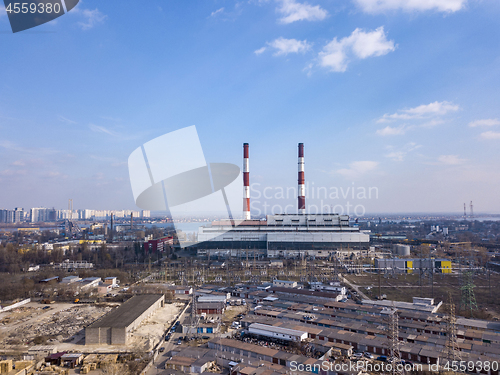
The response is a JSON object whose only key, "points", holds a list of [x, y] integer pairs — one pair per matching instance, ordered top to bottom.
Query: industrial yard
{"points": [[404, 287], [36, 324], [63, 325]]}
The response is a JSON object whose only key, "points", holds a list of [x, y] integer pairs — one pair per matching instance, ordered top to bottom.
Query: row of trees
{"points": [[15, 259]]}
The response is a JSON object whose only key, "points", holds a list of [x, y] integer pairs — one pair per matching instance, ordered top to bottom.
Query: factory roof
{"points": [[304, 292], [403, 305], [124, 315], [285, 331], [245, 346], [180, 361]]}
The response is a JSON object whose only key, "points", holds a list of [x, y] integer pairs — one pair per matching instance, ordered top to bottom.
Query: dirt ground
{"points": [[231, 313], [36, 324], [63, 325], [150, 331]]}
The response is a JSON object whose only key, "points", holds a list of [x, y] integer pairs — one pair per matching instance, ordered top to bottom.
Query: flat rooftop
{"points": [[124, 315], [286, 331]]}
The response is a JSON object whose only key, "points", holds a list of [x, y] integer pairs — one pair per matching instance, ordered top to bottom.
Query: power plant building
{"points": [[281, 235], [115, 327]]}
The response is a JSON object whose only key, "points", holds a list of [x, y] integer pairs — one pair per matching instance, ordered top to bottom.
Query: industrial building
{"points": [[282, 235], [159, 244], [413, 265], [285, 283], [115, 327], [285, 334]]}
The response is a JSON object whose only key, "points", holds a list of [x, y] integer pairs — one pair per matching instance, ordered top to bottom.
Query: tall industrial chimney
{"points": [[246, 184], [302, 187], [131, 221]]}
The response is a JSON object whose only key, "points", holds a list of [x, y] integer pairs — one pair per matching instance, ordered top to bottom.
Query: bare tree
{"points": [[115, 369]]}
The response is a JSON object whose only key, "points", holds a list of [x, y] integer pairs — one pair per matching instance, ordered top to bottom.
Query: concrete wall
{"points": [[15, 305], [119, 336]]}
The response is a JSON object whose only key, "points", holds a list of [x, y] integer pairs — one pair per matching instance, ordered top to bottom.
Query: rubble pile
{"points": [[60, 325]]}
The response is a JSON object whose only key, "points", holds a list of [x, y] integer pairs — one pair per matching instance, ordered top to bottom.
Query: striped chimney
{"points": [[246, 184], [302, 187]]}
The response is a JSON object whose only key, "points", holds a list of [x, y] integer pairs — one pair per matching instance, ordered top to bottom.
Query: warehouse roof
{"points": [[124, 315], [285, 331]]}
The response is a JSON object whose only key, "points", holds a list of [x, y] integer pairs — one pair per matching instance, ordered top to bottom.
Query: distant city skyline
{"points": [[400, 96]]}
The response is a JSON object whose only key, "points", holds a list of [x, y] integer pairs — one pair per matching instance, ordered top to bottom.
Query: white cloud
{"points": [[378, 6], [2, 11], [293, 11], [216, 12], [92, 18], [359, 44], [284, 46], [260, 50], [436, 108], [422, 111], [485, 122], [432, 123], [389, 130], [490, 135], [400, 154], [396, 155], [450, 160], [358, 168]]}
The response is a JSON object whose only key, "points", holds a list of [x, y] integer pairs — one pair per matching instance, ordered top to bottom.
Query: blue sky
{"points": [[401, 95]]}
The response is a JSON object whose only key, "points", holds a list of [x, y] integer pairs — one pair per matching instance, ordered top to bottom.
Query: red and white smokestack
{"points": [[246, 184], [302, 186]]}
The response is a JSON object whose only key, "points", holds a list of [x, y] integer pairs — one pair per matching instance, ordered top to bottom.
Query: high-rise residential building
{"points": [[145, 213], [41, 214], [67, 214], [85, 214], [3, 215], [18, 215]]}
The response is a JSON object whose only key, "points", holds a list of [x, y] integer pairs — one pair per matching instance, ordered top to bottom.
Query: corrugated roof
{"points": [[124, 315]]}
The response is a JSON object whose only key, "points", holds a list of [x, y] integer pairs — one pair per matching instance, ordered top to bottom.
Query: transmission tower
{"points": [[468, 298], [194, 319], [451, 333], [394, 353]]}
